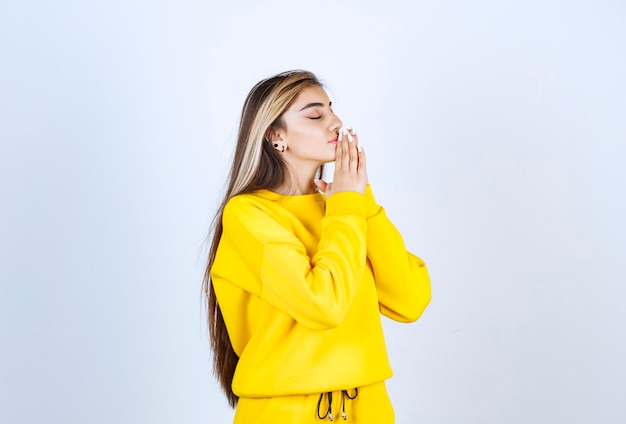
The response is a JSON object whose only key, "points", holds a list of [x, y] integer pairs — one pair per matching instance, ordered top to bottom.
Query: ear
{"points": [[275, 134]]}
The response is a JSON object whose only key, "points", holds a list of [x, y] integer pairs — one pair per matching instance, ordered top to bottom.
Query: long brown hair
{"points": [[256, 165]]}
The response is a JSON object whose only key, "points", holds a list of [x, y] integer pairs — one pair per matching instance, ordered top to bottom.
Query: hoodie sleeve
{"points": [[258, 253], [402, 279]]}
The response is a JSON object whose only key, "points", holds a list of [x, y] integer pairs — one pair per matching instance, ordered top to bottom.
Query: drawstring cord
{"points": [[344, 395], [329, 410]]}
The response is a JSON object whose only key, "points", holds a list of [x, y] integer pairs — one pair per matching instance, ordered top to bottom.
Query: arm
{"points": [[262, 256], [402, 280]]}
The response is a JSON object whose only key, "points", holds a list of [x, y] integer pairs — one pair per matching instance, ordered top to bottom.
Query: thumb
{"points": [[321, 185]]}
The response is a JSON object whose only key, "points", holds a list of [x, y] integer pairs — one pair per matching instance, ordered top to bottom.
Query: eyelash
{"points": [[318, 117]]}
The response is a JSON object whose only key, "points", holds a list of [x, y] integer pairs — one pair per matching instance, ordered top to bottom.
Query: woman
{"points": [[300, 270]]}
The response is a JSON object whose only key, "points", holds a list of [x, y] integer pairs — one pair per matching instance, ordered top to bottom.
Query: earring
{"points": [[276, 147]]}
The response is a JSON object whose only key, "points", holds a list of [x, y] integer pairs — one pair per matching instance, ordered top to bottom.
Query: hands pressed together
{"points": [[350, 166]]}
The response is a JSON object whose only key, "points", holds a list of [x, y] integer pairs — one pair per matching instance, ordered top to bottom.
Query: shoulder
{"points": [[260, 199], [240, 201], [242, 206], [251, 209], [253, 215]]}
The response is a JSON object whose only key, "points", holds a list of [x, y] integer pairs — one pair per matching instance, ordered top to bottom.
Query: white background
{"points": [[496, 140]]}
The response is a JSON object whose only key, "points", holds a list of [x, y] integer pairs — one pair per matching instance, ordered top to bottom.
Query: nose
{"points": [[335, 124]]}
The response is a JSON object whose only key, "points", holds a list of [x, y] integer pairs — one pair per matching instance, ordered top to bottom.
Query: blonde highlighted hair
{"points": [[256, 165]]}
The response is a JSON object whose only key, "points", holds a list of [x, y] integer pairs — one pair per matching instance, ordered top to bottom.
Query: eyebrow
{"points": [[314, 104]]}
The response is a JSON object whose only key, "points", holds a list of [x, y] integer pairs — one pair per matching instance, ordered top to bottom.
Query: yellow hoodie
{"points": [[302, 281]]}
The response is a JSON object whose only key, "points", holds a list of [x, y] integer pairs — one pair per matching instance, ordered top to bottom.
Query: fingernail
{"points": [[340, 136], [350, 138], [359, 148]]}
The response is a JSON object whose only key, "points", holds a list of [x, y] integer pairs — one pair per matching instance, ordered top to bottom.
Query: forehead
{"points": [[313, 94]]}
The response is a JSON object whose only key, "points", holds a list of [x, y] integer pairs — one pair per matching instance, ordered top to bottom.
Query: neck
{"points": [[298, 182]]}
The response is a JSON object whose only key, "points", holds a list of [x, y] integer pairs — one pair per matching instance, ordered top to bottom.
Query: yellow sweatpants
{"points": [[372, 405]]}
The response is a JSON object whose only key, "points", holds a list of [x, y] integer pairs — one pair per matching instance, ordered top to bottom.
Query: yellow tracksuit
{"points": [[301, 282]]}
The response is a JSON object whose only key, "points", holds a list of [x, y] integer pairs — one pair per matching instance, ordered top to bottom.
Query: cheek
{"points": [[302, 137]]}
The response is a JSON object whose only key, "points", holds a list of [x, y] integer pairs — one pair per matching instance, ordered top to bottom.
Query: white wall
{"points": [[495, 135]]}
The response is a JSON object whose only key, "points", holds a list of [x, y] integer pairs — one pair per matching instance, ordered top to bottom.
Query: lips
{"points": [[334, 140]]}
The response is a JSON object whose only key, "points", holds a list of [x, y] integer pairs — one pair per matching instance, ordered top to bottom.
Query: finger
{"points": [[350, 134], [356, 141], [359, 148], [345, 151], [338, 154], [354, 159], [362, 160], [362, 172], [321, 186], [329, 189]]}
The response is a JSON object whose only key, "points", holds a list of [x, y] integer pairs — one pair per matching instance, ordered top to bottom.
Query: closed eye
{"points": [[315, 117]]}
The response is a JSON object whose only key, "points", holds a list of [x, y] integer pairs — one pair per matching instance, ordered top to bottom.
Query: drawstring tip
{"points": [[329, 411]]}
